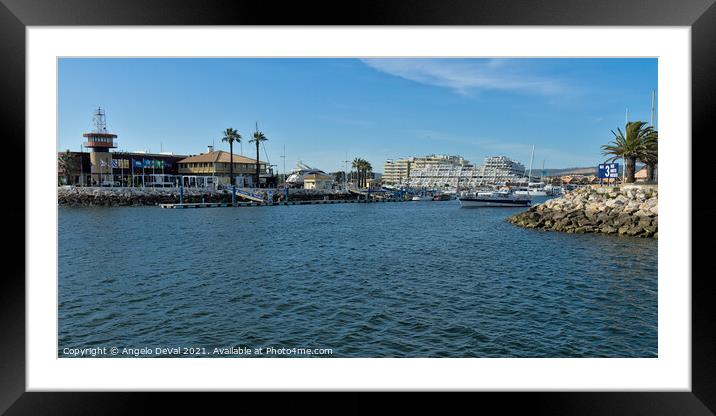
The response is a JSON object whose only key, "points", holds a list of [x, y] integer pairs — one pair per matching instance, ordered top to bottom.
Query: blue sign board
{"points": [[608, 170]]}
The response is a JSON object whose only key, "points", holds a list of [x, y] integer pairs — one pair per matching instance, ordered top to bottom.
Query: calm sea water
{"points": [[414, 279]]}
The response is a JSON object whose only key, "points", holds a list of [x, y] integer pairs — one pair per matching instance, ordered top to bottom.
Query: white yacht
{"points": [[295, 179], [533, 189], [422, 198], [502, 198]]}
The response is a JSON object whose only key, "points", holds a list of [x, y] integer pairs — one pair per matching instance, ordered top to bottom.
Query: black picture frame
{"points": [[15, 15]]}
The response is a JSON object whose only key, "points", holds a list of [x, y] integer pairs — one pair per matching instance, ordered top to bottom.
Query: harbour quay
{"points": [[70, 196]]}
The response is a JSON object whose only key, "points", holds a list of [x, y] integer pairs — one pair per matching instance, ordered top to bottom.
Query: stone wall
{"points": [[89, 196], [93, 196], [629, 211]]}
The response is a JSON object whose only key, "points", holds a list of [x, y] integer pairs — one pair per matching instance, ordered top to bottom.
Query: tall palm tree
{"points": [[231, 136], [258, 137], [630, 146], [651, 154], [357, 165], [362, 167], [367, 169]]}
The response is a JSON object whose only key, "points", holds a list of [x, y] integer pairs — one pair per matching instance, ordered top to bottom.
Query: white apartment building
{"points": [[497, 170], [398, 171]]}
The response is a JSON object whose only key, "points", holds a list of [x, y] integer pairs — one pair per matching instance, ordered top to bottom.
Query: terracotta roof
{"points": [[218, 156]]}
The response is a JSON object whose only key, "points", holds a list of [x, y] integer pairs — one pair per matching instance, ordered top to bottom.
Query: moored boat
{"points": [[534, 189], [422, 198], [494, 199]]}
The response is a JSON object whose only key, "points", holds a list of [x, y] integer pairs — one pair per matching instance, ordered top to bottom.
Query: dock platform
{"points": [[256, 204], [197, 205]]}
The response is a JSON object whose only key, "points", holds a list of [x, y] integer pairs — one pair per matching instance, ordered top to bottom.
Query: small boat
{"points": [[552, 190], [442, 197], [422, 198], [494, 199]]}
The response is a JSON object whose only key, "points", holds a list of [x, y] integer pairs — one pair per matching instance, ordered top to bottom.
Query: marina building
{"points": [[99, 142], [102, 166], [216, 167], [122, 169], [142, 169], [398, 171], [496, 171], [642, 174], [318, 181]]}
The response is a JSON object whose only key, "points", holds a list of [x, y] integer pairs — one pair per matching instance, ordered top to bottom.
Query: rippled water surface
{"points": [[414, 279]]}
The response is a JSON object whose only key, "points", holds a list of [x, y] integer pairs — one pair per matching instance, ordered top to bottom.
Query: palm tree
{"points": [[231, 136], [258, 137], [630, 146], [651, 154], [67, 162], [357, 165], [362, 167], [367, 169]]}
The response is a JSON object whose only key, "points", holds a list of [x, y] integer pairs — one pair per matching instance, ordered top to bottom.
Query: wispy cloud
{"points": [[467, 76]]}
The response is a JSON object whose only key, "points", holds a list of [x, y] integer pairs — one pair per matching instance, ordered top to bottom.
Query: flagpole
{"points": [[161, 161], [82, 174]]}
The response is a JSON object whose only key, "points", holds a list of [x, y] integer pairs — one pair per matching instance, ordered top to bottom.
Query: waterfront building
{"points": [[99, 142], [215, 167], [127, 169], [163, 170], [395, 171], [398, 171], [496, 171], [642, 174], [318, 181]]}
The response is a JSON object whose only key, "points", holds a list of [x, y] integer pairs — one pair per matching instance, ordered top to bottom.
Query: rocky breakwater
{"points": [[76, 196], [631, 211]]}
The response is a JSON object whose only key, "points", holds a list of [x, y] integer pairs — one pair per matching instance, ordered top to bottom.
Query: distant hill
{"points": [[592, 170]]}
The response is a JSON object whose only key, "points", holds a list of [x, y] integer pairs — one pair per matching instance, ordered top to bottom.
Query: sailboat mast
{"points": [[652, 107], [283, 156], [529, 177]]}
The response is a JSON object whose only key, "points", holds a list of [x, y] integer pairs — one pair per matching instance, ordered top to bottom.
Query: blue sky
{"points": [[377, 109]]}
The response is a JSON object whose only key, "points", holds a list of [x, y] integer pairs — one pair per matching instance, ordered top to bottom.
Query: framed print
{"points": [[404, 198]]}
